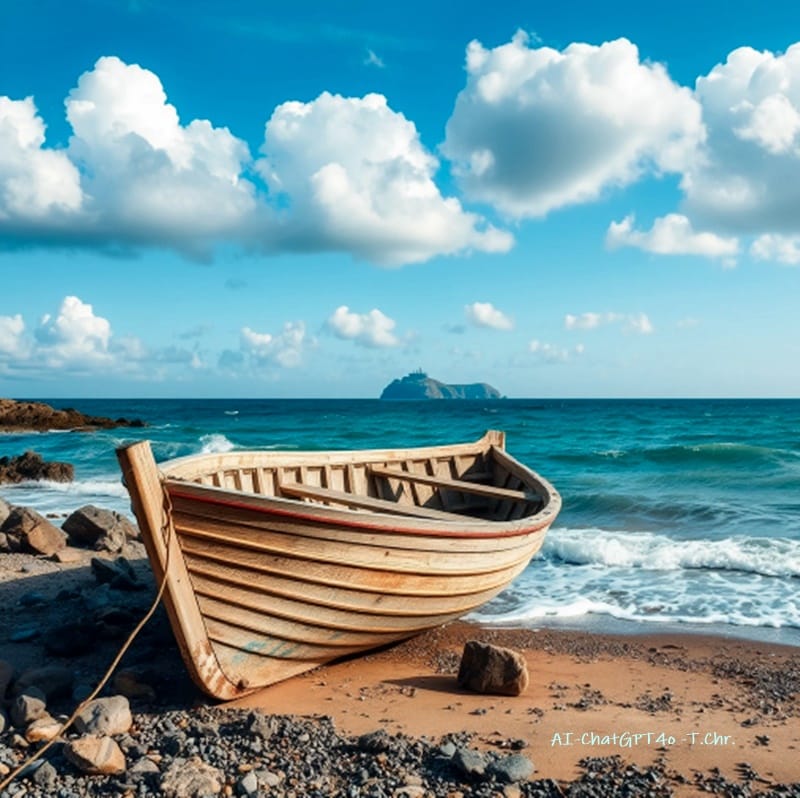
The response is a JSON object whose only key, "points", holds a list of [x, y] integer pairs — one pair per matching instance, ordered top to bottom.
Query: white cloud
{"points": [[372, 59], [537, 129], [343, 174], [357, 179], [746, 179], [36, 184], [671, 235], [783, 249], [485, 314], [634, 322], [373, 329], [11, 331], [75, 337], [285, 349], [551, 353]]}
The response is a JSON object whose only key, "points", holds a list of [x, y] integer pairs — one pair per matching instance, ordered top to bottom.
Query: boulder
{"points": [[31, 467], [5, 509], [98, 528], [30, 532], [486, 668], [52, 680], [105, 716], [96, 755], [191, 778]]}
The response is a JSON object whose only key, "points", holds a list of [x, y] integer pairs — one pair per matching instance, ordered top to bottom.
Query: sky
{"points": [[254, 199]]}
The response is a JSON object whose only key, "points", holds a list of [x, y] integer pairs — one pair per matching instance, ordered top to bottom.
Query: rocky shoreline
{"points": [[23, 416], [64, 615]]}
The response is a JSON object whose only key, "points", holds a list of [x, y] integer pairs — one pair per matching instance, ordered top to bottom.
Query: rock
{"points": [[16, 416], [30, 466], [5, 509], [99, 529], [30, 532], [5, 545], [69, 555], [119, 573], [486, 668], [52, 680], [28, 706], [105, 716], [3, 720], [43, 729], [96, 755], [471, 764], [143, 767], [512, 768], [45, 777], [191, 778], [247, 784]]}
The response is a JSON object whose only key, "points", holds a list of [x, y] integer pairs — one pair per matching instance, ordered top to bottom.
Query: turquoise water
{"points": [[675, 512]]}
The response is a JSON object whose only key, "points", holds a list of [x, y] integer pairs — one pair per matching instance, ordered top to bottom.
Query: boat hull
{"points": [[261, 587]]}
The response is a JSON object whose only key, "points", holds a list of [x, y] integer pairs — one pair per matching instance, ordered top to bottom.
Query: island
{"points": [[418, 385]]}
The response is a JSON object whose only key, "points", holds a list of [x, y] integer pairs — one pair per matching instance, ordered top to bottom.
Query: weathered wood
{"points": [[454, 484], [364, 502], [279, 561]]}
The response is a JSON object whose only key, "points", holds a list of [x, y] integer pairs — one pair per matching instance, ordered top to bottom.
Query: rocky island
{"points": [[418, 385], [40, 417]]}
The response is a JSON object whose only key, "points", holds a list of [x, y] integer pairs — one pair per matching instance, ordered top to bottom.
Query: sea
{"points": [[678, 515]]}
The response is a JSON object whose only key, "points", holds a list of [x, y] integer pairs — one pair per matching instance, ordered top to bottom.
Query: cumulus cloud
{"points": [[537, 129], [340, 174], [356, 178], [746, 179], [670, 235], [783, 249], [485, 314], [633, 322], [373, 329], [11, 332], [75, 337], [284, 349]]}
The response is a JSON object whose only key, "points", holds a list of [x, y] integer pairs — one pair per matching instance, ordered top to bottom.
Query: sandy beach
{"points": [[697, 713]]}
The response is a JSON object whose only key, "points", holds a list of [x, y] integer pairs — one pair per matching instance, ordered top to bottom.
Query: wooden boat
{"points": [[277, 562]]}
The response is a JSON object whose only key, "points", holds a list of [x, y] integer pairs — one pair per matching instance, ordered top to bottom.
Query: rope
{"points": [[166, 530]]}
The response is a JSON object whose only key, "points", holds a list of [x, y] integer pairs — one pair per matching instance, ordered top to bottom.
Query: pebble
{"points": [[105, 716]]}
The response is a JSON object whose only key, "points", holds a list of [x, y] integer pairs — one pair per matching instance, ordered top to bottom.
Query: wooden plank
{"points": [[455, 484], [364, 502]]}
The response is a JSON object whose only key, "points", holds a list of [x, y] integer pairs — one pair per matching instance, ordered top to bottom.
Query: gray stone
{"points": [[5, 511], [98, 528], [118, 574], [486, 668], [28, 706], [105, 716], [3, 720], [95, 754], [469, 762], [143, 767], [512, 768], [45, 776], [191, 778], [247, 784]]}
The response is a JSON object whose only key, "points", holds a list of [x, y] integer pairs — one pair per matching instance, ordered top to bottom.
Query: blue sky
{"points": [[251, 199]]}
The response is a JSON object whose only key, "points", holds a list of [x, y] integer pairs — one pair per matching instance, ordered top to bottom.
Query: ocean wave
{"points": [[215, 443], [85, 487], [643, 550]]}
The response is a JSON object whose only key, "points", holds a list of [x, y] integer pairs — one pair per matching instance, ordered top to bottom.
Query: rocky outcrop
{"points": [[419, 385], [38, 416], [31, 467], [491, 669]]}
